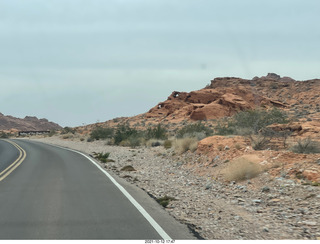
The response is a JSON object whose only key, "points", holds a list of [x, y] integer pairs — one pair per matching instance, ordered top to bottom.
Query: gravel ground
{"points": [[280, 208]]}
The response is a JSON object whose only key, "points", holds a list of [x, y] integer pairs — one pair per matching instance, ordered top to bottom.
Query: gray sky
{"points": [[77, 62]]}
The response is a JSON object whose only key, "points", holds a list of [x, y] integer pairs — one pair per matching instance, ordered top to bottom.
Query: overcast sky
{"points": [[77, 62]]}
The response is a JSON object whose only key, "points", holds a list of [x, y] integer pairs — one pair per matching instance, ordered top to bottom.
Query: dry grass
{"points": [[67, 136], [167, 144], [185, 144], [237, 146], [241, 169]]}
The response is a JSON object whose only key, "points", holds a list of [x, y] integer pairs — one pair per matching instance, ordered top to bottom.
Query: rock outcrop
{"points": [[228, 95], [219, 100]]}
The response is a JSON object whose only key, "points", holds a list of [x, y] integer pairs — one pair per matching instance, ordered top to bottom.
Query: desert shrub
{"points": [[256, 120], [253, 124], [224, 128], [67, 130], [194, 130], [124, 132], [158, 132], [52, 133], [101, 133], [199, 135], [284, 135], [67, 136], [134, 140], [260, 141], [124, 143], [167, 144], [185, 144], [237, 146], [306, 146], [103, 157], [241, 169], [164, 201]]}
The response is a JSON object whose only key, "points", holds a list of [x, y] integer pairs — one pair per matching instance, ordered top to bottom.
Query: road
{"points": [[56, 193]]}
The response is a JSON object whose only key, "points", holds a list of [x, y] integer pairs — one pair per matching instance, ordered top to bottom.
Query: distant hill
{"points": [[28, 123]]}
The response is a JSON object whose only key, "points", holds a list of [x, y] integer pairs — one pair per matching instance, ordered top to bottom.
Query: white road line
{"points": [[145, 214]]}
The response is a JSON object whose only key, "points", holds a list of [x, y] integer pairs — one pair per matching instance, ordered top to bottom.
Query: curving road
{"points": [[60, 194]]}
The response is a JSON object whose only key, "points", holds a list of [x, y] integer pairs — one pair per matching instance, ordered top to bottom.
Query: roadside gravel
{"points": [[280, 208]]}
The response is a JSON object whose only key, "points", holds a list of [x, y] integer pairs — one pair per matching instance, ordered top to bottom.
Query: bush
{"points": [[256, 120], [253, 124], [224, 128], [67, 130], [194, 130], [124, 132], [157, 132], [101, 133], [67, 136], [134, 141], [260, 141], [124, 143], [167, 144], [185, 144], [306, 146], [103, 157], [241, 169], [164, 201]]}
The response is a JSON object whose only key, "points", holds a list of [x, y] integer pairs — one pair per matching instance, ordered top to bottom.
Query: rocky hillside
{"points": [[226, 96], [300, 98], [8, 123]]}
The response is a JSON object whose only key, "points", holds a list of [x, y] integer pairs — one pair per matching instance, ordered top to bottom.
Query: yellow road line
{"points": [[16, 163], [11, 165]]}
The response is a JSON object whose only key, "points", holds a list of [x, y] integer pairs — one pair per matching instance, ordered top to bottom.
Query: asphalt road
{"points": [[9, 154], [59, 194]]}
